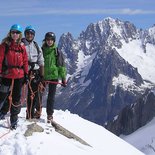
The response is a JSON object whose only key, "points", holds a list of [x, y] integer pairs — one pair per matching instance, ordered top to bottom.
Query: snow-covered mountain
{"points": [[110, 66], [135, 115], [143, 139], [50, 142]]}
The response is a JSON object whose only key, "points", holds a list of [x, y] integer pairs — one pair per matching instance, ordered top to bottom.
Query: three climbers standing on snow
{"points": [[23, 61]]}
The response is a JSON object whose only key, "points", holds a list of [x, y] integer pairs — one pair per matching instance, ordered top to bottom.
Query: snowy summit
{"points": [[51, 142]]}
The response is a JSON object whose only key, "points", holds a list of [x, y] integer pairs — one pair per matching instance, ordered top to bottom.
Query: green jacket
{"points": [[54, 67]]}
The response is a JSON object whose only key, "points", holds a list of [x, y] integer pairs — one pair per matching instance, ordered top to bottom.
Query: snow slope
{"points": [[134, 54], [144, 138], [50, 142]]}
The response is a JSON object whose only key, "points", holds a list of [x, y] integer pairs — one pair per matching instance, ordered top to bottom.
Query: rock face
{"points": [[102, 82], [96, 103], [134, 116]]}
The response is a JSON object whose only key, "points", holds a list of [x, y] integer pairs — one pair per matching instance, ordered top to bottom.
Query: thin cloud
{"points": [[45, 11], [100, 11]]}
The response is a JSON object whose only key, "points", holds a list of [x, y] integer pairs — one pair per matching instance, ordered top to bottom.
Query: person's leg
{"points": [[4, 92], [36, 98], [31, 100], [50, 101], [29, 103], [16, 105], [38, 105], [5, 108]]}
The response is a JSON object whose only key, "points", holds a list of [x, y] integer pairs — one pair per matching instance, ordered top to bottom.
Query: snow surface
{"points": [[135, 55], [128, 83], [144, 138], [50, 142]]}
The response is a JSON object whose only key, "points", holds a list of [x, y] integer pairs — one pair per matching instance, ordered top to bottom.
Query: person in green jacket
{"points": [[54, 70]]}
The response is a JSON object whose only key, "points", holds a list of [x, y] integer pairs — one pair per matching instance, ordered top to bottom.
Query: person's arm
{"points": [[2, 49]]}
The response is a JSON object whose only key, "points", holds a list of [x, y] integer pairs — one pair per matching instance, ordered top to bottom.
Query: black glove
{"points": [[26, 79], [0, 80], [64, 83]]}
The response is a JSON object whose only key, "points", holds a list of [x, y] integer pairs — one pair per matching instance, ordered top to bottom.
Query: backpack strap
{"points": [[35, 43], [37, 47], [6, 49], [57, 52], [60, 58], [4, 63]]}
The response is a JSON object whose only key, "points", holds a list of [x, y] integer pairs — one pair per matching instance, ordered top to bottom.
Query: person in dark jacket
{"points": [[13, 69], [54, 70], [36, 73]]}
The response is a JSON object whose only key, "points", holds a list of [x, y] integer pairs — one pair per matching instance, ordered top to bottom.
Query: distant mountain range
{"points": [[111, 66]]}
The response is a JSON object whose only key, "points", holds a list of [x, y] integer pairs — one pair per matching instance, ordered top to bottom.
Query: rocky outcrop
{"points": [[31, 128], [63, 131]]}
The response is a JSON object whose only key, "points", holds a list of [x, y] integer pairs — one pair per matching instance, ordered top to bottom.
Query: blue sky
{"points": [[61, 16]]}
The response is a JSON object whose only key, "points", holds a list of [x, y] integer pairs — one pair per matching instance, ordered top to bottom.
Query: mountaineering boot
{"points": [[29, 115], [37, 115], [2, 116], [49, 118], [13, 121], [13, 125]]}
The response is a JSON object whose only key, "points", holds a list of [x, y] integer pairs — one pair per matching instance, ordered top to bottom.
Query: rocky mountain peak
{"points": [[103, 78]]}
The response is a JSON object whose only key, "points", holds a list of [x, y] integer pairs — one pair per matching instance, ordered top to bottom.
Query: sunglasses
{"points": [[15, 32], [29, 33]]}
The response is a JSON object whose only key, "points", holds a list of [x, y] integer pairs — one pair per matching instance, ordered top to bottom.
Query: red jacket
{"points": [[17, 61]]}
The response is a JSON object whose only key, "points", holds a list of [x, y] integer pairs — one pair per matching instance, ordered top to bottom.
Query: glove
{"points": [[26, 79], [0, 80], [64, 83]]}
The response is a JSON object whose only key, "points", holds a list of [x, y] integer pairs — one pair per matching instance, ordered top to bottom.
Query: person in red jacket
{"points": [[13, 72]]}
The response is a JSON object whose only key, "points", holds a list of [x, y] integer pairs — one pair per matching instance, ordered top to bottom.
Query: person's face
{"points": [[15, 35], [29, 36], [49, 42]]}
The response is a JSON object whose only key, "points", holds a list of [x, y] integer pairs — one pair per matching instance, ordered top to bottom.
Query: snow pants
{"points": [[51, 98], [15, 107]]}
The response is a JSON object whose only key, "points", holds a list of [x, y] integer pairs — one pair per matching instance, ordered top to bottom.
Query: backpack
{"points": [[60, 58]]}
